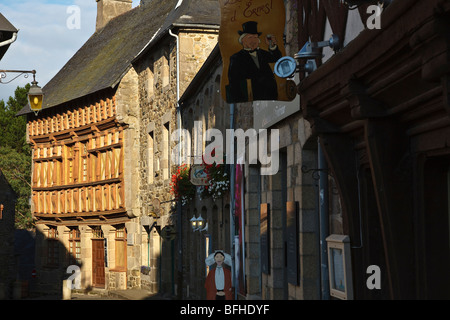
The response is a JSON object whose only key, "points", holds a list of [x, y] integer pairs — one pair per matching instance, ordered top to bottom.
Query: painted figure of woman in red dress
{"points": [[218, 281]]}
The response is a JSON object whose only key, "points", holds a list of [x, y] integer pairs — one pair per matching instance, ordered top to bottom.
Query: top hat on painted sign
{"points": [[249, 27]]}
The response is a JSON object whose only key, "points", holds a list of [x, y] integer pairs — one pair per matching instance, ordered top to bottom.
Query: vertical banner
{"points": [[251, 42], [239, 213], [265, 237], [292, 242]]}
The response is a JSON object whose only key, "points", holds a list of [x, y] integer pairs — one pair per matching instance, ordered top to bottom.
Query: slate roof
{"points": [[6, 32], [108, 54]]}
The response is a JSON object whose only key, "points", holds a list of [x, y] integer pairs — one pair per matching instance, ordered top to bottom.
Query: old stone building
{"points": [[166, 67], [202, 107], [90, 188], [283, 213]]}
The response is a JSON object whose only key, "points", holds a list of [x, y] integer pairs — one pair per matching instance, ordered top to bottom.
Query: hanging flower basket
{"points": [[218, 181], [181, 187]]}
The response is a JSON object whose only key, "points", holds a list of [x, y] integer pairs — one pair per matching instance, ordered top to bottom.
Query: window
{"points": [[165, 71], [150, 79], [165, 151], [151, 153], [84, 161], [69, 164], [97, 233], [75, 246], [52, 247], [121, 249], [340, 268]]}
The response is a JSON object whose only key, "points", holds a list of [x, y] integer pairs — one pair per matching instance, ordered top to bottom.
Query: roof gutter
{"points": [[193, 25], [7, 42]]}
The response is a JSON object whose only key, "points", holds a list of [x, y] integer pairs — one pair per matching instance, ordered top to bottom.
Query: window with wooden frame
{"points": [[84, 162], [69, 167], [97, 233], [75, 246], [52, 247], [121, 249]]}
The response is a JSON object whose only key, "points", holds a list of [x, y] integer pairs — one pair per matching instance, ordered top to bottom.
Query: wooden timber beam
{"points": [[361, 104], [391, 166]]}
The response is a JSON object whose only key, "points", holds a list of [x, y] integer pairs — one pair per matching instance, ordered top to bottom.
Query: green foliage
{"points": [[15, 154]]}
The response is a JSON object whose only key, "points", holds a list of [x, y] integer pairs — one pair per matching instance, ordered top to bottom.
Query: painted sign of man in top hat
{"points": [[250, 75]]}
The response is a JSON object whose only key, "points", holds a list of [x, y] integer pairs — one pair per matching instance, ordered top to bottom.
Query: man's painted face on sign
{"points": [[250, 41]]}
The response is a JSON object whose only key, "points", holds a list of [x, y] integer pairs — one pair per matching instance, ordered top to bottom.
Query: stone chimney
{"points": [[109, 9]]}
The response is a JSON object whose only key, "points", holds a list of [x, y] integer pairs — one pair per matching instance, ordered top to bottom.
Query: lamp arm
{"points": [[21, 72]]}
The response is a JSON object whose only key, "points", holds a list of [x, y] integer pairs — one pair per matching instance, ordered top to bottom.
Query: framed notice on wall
{"points": [[265, 237], [340, 267]]}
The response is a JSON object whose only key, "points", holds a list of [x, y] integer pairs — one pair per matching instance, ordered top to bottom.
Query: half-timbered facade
{"points": [[78, 164]]}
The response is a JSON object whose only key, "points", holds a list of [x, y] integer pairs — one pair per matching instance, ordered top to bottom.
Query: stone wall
{"points": [[157, 92]]}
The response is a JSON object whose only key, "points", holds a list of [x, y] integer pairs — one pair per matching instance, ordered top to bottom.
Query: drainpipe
{"points": [[13, 38], [232, 204], [324, 224], [179, 226]]}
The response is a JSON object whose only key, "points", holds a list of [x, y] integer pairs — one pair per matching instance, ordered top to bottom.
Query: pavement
{"points": [[96, 294], [129, 294]]}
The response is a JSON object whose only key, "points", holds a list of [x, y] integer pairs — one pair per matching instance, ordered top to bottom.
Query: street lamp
{"points": [[286, 66], [35, 94], [200, 221], [194, 223], [197, 224]]}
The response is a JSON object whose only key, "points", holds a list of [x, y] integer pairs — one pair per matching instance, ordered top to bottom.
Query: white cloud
{"points": [[45, 42]]}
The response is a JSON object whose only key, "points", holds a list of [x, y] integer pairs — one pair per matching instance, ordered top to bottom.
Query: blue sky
{"points": [[45, 42]]}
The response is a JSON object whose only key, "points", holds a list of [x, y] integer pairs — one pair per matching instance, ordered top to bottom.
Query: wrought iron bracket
{"points": [[25, 73], [315, 172]]}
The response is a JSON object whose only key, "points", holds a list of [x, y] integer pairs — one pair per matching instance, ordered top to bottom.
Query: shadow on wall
{"points": [[24, 246], [32, 282]]}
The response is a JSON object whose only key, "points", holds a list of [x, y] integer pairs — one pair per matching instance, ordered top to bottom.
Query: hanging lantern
{"points": [[35, 97]]}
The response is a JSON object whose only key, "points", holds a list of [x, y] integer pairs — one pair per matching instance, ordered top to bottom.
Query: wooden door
{"points": [[98, 263]]}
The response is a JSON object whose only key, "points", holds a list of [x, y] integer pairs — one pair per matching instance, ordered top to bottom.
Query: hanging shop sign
{"points": [[251, 42], [198, 175], [168, 233]]}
